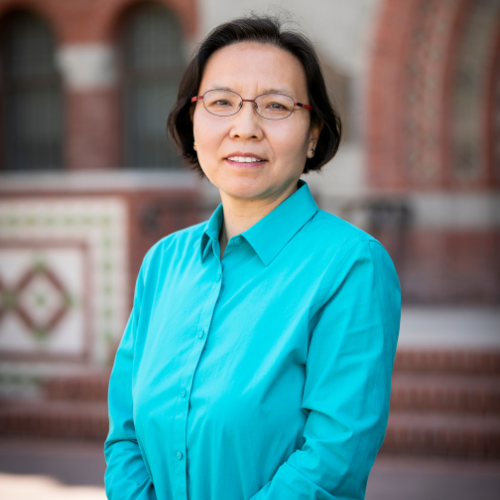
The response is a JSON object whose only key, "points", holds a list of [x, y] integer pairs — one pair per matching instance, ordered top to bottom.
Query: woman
{"points": [[257, 359]]}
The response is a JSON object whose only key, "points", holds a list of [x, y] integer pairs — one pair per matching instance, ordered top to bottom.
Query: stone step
{"points": [[463, 362], [92, 387], [443, 392], [86, 420], [444, 434]]}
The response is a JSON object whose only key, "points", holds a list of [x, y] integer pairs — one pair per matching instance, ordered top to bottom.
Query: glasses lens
{"points": [[222, 102], [274, 106]]}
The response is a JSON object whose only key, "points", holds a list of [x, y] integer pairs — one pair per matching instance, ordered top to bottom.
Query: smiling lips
{"points": [[245, 159]]}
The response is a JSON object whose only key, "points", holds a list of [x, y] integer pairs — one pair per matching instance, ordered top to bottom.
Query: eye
{"points": [[221, 102], [275, 105]]}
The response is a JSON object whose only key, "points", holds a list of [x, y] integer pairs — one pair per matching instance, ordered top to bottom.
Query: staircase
{"points": [[444, 403], [73, 407]]}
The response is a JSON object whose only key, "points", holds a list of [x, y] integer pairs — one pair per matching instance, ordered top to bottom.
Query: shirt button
{"points": [[237, 240], [219, 275], [200, 335], [183, 393], [179, 455]]}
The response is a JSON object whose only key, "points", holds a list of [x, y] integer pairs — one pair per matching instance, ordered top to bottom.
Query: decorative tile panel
{"points": [[63, 277], [43, 300]]}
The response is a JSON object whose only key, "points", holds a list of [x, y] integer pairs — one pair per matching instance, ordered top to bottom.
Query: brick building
{"points": [[88, 181]]}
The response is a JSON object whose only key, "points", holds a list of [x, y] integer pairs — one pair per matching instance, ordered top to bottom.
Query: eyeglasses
{"points": [[268, 106]]}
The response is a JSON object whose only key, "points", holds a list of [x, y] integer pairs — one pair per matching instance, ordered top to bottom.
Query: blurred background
{"points": [[88, 182]]}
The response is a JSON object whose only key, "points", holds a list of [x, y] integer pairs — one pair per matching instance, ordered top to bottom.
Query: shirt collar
{"points": [[212, 230], [270, 235]]}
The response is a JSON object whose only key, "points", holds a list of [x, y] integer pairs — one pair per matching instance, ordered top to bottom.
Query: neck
{"points": [[241, 214]]}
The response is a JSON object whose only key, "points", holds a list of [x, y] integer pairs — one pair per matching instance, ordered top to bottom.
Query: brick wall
{"points": [[90, 21], [92, 107], [429, 132]]}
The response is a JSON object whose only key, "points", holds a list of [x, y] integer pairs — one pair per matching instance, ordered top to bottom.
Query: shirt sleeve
{"points": [[348, 382], [126, 477]]}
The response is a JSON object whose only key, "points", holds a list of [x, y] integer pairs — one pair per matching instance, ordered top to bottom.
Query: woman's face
{"points": [[251, 69]]}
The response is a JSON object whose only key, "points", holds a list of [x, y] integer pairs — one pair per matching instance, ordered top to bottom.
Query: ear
{"points": [[314, 133]]}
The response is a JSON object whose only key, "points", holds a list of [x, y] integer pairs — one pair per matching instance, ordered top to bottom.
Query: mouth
{"points": [[245, 160]]}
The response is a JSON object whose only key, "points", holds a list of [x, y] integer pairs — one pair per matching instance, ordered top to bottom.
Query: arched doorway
{"points": [[432, 138]]}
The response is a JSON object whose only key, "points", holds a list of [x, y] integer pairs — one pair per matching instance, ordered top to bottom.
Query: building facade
{"points": [[89, 181]]}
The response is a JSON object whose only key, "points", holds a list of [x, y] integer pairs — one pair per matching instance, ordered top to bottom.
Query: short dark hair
{"points": [[266, 30]]}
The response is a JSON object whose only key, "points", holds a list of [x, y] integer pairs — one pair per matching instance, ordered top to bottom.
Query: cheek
{"points": [[206, 130], [208, 136], [289, 139]]}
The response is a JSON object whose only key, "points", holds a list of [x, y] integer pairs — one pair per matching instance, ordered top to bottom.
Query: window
{"points": [[153, 62], [31, 96]]}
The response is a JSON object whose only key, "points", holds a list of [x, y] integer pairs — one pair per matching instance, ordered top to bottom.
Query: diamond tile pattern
{"points": [[42, 300]]}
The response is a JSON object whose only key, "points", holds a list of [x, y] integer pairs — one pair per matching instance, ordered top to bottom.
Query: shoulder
{"points": [[332, 235], [180, 242], [340, 250], [347, 254]]}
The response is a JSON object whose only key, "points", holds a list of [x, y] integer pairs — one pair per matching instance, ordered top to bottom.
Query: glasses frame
{"points": [[197, 98]]}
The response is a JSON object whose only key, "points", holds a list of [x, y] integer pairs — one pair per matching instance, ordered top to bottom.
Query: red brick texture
{"points": [[80, 21], [412, 77], [385, 80], [92, 130], [448, 266], [447, 361], [78, 388], [445, 403], [55, 419]]}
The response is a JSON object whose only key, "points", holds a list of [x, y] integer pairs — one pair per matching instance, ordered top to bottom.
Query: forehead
{"points": [[255, 67]]}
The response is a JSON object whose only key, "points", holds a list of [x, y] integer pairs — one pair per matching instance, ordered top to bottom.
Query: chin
{"points": [[244, 188]]}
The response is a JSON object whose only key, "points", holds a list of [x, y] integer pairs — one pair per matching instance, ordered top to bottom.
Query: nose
{"points": [[246, 123]]}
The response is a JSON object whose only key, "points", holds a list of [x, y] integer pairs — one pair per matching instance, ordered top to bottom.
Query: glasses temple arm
{"points": [[305, 106]]}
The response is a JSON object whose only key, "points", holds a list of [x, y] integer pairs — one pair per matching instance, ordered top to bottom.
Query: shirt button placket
{"points": [[191, 365]]}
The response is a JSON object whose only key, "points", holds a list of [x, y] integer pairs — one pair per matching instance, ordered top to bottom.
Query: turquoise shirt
{"points": [[265, 375]]}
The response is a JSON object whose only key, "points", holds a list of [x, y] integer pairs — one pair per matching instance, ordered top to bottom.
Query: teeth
{"points": [[243, 159]]}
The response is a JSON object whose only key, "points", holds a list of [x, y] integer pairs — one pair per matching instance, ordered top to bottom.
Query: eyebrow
{"points": [[266, 91]]}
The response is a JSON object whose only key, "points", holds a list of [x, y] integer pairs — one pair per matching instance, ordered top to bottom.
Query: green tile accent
{"points": [[9, 299], [69, 301], [41, 335]]}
